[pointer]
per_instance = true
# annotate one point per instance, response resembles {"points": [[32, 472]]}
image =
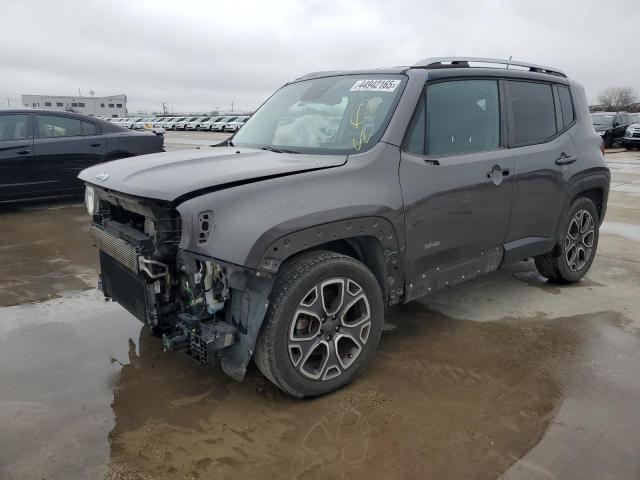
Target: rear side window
{"points": [[462, 116], [13, 127], [51, 126], [89, 128], [566, 105], [532, 111]]}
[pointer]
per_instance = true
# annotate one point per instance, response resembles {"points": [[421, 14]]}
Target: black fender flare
{"points": [[590, 180], [269, 259]]}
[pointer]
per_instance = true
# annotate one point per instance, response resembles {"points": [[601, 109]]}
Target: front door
{"points": [[64, 146], [457, 184], [18, 173]]}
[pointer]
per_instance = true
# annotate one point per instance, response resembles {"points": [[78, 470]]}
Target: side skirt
{"points": [[455, 272]]}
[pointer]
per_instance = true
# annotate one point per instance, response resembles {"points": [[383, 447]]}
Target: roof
{"points": [[450, 63]]}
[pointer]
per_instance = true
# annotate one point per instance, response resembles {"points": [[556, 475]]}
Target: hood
{"points": [[167, 176]]}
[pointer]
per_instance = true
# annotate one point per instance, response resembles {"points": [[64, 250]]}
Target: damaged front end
{"points": [[203, 306]]}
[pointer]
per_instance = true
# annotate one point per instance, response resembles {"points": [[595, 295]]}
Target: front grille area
{"points": [[122, 251], [123, 286]]}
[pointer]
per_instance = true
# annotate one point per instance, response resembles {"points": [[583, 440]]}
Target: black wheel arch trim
{"points": [[591, 179], [377, 230]]}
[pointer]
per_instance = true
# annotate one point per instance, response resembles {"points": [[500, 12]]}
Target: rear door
{"points": [[18, 173], [545, 156], [457, 183], [65, 145]]}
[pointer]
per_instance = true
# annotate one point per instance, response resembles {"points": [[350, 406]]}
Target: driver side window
{"points": [[456, 117]]}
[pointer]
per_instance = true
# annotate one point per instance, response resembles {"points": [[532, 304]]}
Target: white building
{"points": [[113, 106]]}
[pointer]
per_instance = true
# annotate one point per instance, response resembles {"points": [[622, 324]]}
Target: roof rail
{"points": [[317, 74], [464, 62]]}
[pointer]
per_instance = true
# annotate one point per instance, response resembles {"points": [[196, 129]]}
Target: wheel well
{"points": [[595, 195], [365, 249]]}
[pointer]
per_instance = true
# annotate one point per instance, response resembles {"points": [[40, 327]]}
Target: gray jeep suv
{"points": [[347, 192]]}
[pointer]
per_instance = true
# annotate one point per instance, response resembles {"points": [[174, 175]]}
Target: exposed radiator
{"points": [[115, 247]]}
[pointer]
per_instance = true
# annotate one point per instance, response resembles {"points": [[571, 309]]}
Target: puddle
{"points": [[58, 237], [88, 393]]}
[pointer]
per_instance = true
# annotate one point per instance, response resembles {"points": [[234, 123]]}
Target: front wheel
{"points": [[574, 254], [323, 324]]}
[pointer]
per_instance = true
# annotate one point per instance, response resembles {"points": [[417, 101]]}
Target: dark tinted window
{"points": [[52, 126], [111, 105], [414, 142], [533, 110], [59, 104], [566, 105], [80, 104], [119, 105], [13, 127], [89, 128], [462, 116], [74, 104], [47, 104]]}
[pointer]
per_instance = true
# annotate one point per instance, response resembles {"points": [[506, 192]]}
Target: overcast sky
{"points": [[197, 55]]}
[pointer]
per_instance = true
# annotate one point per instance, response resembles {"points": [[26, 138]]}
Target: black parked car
{"points": [[344, 193], [611, 126], [41, 152]]}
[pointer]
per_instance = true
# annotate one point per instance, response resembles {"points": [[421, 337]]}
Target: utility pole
{"points": [[164, 109], [217, 111], [93, 100], [231, 107]]}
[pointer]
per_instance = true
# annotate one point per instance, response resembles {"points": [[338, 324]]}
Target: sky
{"points": [[199, 55]]}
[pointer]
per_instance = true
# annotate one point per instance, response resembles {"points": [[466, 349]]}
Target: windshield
{"points": [[602, 119], [341, 114]]}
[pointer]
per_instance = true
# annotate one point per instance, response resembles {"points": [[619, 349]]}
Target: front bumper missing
{"points": [[147, 289]]}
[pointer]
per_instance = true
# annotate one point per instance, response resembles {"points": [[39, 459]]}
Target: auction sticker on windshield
{"points": [[375, 85]]}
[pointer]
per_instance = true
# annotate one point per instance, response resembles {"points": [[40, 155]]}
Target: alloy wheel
{"points": [[329, 329], [578, 243]]}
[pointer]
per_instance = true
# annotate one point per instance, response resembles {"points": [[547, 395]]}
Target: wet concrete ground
{"points": [[506, 376]]}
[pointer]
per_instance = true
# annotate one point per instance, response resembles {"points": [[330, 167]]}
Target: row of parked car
{"points": [[212, 124], [618, 128]]}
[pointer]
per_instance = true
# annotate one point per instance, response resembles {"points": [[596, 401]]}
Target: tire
{"points": [[571, 259], [307, 349]]}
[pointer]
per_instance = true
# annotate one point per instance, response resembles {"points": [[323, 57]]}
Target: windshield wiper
{"points": [[278, 150]]}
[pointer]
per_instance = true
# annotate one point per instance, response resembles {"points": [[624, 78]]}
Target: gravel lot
{"points": [[504, 376]]}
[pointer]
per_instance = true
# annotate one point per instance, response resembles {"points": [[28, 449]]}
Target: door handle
{"points": [[23, 152], [565, 159], [95, 144], [494, 171]]}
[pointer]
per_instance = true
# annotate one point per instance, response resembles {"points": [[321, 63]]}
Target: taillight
{"points": [[602, 147]]}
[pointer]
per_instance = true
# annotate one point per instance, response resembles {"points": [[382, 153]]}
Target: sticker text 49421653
{"points": [[376, 85]]}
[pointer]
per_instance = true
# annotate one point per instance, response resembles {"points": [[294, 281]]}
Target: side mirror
{"points": [[616, 124]]}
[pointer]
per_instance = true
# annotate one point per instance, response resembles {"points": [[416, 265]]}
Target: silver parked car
{"points": [[208, 124], [173, 123], [219, 125], [235, 125], [197, 123]]}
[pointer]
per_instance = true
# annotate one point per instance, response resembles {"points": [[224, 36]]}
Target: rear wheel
{"points": [[574, 254], [323, 325]]}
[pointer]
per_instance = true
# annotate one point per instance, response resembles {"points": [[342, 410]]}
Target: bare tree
{"points": [[617, 98]]}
